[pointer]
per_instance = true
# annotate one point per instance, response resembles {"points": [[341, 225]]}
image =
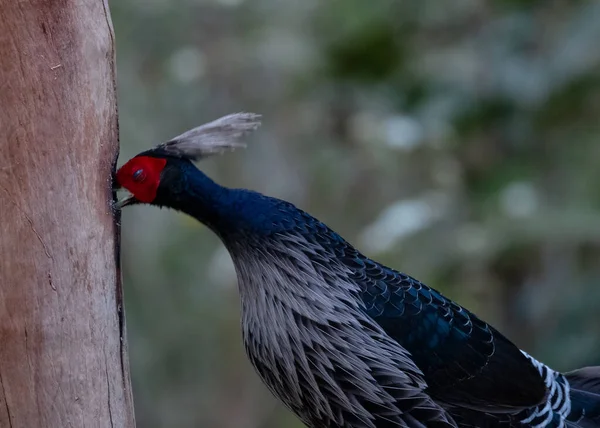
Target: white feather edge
{"points": [[213, 138]]}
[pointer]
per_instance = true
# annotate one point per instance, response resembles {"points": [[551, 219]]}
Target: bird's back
{"points": [[465, 360], [346, 341]]}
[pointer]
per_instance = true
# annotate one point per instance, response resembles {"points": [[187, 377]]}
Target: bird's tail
{"points": [[573, 399], [584, 393]]}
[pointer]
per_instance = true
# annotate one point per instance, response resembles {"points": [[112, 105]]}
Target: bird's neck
{"points": [[229, 212], [199, 196]]}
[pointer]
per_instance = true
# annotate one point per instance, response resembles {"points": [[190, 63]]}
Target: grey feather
{"points": [[212, 138], [315, 348]]}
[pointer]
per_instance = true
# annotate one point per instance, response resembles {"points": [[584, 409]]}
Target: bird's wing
{"points": [[466, 362], [347, 370]]}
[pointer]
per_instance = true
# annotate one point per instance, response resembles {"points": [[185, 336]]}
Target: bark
{"points": [[63, 359]]}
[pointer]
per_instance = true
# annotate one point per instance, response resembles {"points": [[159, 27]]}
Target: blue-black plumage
{"points": [[340, 339]]}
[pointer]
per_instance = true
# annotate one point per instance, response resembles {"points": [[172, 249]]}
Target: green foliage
{"points": [[370, 54]]}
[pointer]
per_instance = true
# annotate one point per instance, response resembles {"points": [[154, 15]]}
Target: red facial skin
{"points": [[141, 176]]}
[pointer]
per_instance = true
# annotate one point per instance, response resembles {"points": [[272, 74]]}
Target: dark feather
{"points": [[466, 362], [585, 396], [585, 379]]}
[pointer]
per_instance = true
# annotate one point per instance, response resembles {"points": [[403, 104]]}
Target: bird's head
{"points": [[153, 172]]}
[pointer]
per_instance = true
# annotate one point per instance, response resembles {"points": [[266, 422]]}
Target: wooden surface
{"points": [[63, 359]]}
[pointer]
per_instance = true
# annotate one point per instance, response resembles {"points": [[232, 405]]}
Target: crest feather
{"points": [[212, 138]]}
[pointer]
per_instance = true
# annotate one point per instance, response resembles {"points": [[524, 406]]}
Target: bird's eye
{"points": [[139, 175]]}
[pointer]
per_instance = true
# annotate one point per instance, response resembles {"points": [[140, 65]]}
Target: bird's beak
{"points": [[128, 199]]}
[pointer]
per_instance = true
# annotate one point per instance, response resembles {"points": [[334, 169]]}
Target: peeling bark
{"points": [[63, 349]]}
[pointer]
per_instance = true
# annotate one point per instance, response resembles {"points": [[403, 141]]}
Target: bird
{"points": [[340, 339]]}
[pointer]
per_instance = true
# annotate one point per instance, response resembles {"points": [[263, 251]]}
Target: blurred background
{"points": [[455, 141]]}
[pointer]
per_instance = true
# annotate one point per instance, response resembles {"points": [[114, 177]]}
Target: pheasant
{"points": [[344, 341]]}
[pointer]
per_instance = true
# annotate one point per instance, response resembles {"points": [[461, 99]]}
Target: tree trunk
{"points": [[63, 358]]}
